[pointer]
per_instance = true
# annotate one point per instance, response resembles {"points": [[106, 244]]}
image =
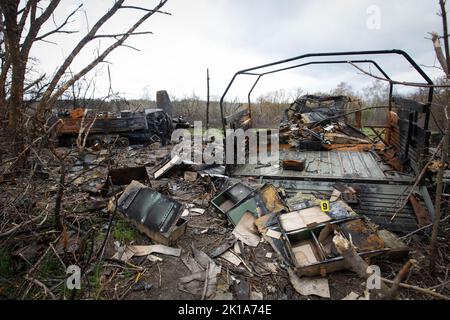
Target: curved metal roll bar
{"points": [[250, 71]]}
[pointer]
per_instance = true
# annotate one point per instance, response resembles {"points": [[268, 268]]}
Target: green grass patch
{"points": [[95, 281], [51, 267], [6, 264], [368, 132]]}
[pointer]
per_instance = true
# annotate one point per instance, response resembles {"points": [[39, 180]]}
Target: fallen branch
{"points": [[205, 287], [18, 227], [399, 278], [43, 286], [439, 285], [357, 264], [35, 268], [423, 228], [419, 289], [403, 83]]}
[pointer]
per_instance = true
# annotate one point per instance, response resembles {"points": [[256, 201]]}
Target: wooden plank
{"points": [[420, 211]]}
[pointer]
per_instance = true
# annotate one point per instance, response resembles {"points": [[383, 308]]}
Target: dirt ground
{"points": [[37, 251]]}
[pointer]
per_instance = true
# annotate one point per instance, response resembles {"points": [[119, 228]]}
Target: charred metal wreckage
{"points": [[367, 182], [146, 127], [332, 180], [335, 151]]}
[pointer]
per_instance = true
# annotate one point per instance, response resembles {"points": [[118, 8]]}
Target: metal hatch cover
{"points": [[150, 208]]}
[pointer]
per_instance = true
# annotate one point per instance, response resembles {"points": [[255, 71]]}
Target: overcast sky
{"points": [[228, 35]]}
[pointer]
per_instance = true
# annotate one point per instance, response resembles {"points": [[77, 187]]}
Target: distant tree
{"points": [[376, 94], [343, 89], [444, 59]]}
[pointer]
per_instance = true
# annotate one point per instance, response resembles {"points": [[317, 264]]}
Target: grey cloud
{"points": [[227, 35]]}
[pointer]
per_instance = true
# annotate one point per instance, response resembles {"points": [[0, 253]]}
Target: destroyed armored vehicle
{"points": [[155, 125]]}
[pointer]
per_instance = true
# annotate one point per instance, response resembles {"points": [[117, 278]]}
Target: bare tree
{"points": [[23, 27], [443, 57]]}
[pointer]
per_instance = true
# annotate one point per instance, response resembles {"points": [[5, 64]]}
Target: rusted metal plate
{"points": [[420, 211], [295, 165], [328, 165], [72, 126]]}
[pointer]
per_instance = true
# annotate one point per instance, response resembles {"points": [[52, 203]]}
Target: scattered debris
{"points": [[240, 199], [310, 286], [256, 295], [222, 248], [165, 166], [303, 219], [124, 176], [129, 252], [144, 286], [246, 230], [190, 176], [273, 234], [153, 213], [354, 296], [231, 257], [295, 165], [201, 283]]}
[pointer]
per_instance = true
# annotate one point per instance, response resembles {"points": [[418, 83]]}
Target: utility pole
{"points": [[207, 99]]}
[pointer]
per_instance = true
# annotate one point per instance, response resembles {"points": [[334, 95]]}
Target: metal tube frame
{"points": [[249, 71]]}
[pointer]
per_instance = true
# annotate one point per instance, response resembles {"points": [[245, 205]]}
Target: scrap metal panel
{"points": [[328, 165]]}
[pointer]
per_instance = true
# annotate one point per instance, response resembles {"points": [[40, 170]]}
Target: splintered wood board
{"points": [[304, 253], [304, 218]]}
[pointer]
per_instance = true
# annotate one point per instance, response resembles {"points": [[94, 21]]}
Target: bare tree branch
{"points": [[35, 27], [25, 11], [59, 29], [445, 35], [403, 83], [99, 59], [145, 9], [438, 50], [121, 34], [63, 68]]}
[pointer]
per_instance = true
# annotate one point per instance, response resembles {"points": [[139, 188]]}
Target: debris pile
{"points": [[158, 227], [320, 123], [271, 234]]}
